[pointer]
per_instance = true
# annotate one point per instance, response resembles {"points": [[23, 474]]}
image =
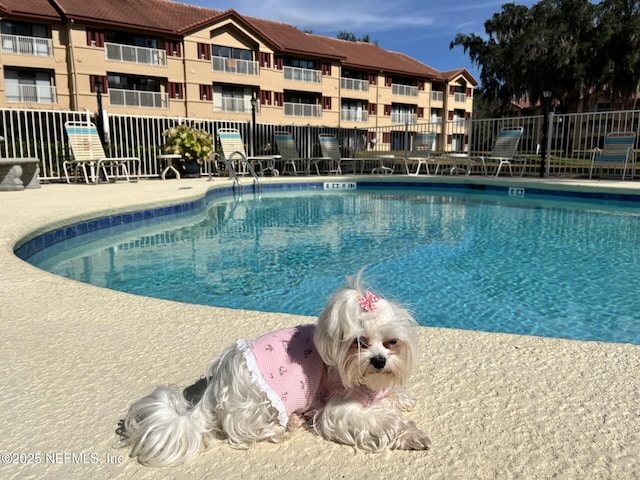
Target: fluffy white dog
{"points": [[344, 374]]}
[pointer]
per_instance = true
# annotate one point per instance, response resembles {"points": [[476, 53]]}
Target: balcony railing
{"points": [[402, 117], [406, 90], [38, 46], [302, 110], [136, 98], [437, 96], [459, 97], [354, 84], [128, 53], [302, 74], [233, 105], [30, 93], [235, 66], [347, 115]]}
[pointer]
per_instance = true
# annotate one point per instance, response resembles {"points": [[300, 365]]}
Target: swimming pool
{"points": [[468, 260]]}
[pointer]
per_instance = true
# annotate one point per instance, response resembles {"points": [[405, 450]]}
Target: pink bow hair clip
{"points": [[368, 301]]}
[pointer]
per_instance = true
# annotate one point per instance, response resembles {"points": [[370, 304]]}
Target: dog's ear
{"points": [[337, 326]]}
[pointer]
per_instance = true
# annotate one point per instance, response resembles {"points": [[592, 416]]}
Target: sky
{"points": [[422, 29]]}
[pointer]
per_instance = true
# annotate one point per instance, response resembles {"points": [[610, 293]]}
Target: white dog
{"points": [[345, 374]]}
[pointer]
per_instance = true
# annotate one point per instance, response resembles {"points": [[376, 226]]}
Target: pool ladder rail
{"points": [[233, 174]]}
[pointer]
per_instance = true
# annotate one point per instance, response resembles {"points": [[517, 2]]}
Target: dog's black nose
{"points": [[378, 362]]}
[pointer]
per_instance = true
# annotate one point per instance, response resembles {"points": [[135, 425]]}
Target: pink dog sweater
{"points": [[287, 367]]}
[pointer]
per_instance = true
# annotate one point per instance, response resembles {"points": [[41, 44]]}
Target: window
{"points": [[173, 48], [326, 68], [95, 38], [125, 38], [130, 82], [388, 81], [353, 110], [373, 79], [206, 92], [204, 51], [302, 97], [373, 109], [232, 98], [300, 63], [93, 79], [387, 110], [231, 52], [25, 29], [326, 103], [279, 99], [176, 90], [265, 97], [37, 43], [265, 60], [278, 62], [29, 86], [420, 112]]}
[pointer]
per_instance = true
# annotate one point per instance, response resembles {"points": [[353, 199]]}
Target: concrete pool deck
{"points": [[73, 357]]}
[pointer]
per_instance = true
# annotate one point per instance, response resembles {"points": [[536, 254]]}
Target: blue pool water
{"points": [[463, 260]]}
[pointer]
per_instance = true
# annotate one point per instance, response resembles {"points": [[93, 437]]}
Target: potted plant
{"points": [[193, 144]]}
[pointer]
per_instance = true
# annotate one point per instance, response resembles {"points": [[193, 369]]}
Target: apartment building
{"points": [[162, 58]]}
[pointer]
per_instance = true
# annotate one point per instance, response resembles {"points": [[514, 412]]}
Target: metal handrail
{"points": [[252, 171], [233, 174]]}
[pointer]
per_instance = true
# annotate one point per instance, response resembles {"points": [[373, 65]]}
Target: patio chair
{"points": [[617, 152], [290, 157], [503, 152], [331, 153], [87, 151], [421, 154], [233, 150]]}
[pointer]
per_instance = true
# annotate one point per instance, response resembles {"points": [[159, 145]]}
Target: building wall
{"points": [[78, 61]]}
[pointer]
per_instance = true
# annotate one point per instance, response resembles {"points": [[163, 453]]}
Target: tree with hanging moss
{"points": [[569, 47]]}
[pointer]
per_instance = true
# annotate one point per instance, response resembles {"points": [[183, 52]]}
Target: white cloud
{"points": [[359, 16]]}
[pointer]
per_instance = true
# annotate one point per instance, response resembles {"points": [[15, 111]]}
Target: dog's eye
{"points": [[390, 343], [362, 342]]}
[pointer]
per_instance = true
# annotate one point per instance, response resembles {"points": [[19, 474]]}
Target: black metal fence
{"points": [[571, 137]]}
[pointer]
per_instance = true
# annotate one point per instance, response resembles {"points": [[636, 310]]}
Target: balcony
{"points": [[302, 110], [302, 74], [347, 115], [354, 84], [21, 45], [459, 97], [406, 90], [136, 98], [130, 54], [234, 66], [404, 117], [30, 93], [232, 105], [437, 96]]}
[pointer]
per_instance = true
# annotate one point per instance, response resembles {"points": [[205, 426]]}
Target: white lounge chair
{"points": [[87, 151], [233, 150], [331, 154], [503, 152], [290, 157], [617, 152], [421, 154]]}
